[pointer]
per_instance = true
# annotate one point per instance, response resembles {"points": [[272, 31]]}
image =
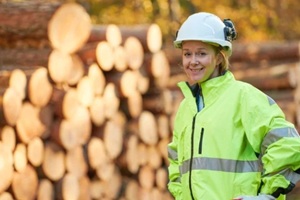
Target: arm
{"points": [[174, 184], [275, 140]]}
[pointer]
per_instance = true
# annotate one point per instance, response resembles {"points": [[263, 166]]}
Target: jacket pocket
{"points": [[201, 141]]}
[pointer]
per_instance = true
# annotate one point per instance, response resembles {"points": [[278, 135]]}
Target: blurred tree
{"points": [[255, 20]]}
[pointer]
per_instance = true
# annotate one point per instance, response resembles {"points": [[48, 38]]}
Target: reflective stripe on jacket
{"points": [[217, 153]]}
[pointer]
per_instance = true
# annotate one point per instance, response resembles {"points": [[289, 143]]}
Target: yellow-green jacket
{"points": [[238, 144]]}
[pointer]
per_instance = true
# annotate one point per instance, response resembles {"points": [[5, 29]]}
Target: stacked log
{"points": [[74, 124], [87, 110]]}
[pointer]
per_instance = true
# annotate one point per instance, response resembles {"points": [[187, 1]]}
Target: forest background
{"points": [[255, 20]]}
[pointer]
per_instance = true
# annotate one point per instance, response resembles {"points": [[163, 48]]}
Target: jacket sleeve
{"points": [[275, 140], [174, 184]]}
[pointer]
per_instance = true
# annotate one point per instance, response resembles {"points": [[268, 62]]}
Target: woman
{"points": [[230, 140]]}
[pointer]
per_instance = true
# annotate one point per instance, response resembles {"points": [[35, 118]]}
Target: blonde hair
{"points": [[225, 62], [224, 65]]}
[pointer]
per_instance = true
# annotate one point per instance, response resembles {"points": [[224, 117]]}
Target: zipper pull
{"points": [[201, 140]]}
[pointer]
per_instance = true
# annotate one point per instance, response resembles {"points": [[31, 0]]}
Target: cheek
{"points": [[184, 63]]}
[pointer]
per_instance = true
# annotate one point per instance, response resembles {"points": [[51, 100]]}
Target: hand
{"points": [[259, 197]]}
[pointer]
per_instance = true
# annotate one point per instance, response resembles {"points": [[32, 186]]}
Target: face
{"points": [[199, 61]]}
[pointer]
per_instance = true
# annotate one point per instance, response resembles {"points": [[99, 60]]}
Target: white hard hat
{"points": [[209, 28]]}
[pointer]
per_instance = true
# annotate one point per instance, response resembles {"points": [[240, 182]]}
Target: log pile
{"points": [[87, 110], [77, 114]]}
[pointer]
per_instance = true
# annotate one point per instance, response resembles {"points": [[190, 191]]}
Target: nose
{"points": [[194, 61]]}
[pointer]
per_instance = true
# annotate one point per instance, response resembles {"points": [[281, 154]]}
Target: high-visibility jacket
{"points": [[238, 144]]}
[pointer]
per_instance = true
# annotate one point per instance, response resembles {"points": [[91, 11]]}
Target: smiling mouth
{"points": [[197, 69]]}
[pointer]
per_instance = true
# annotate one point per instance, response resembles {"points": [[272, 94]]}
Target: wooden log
{"points": [[128, 83], [113, 139], [26, 190], [26, 19], [146, 177], [77, 70], [142, 150], [161, 179], [20, 157], [159, 102], [133, 105], [134, 52], [113, 35], [154, 158], [84, 188], [148, 128], [35, 151], [125, 82], [245, 65], [60, 66], [45, 190], [18, 81], [65, 134], [6, 196], [85, 91], [145, 194], [163, 126], [132, 190], [70, 103], [110, 33], [87, 53], [7, 170], [54, 161], [81, 121], [70, 187], [163, 149], [97, 77], [69, 28], [143, 80], [29, 124], [158, 68], [39, 87], [97, 189], [157, 64], [112, 187], [97, 112], [76, 163], [24, 59], [120, 58], [46, 117], [11, 107], [150, 35], [8, 137], [96, 153], [129, 160], [157, 194], [105, 56], [106, 171], [266, 51], [111, 100], [277, 77]]}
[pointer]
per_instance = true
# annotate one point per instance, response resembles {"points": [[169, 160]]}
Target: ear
{"points": [[219, 58]]}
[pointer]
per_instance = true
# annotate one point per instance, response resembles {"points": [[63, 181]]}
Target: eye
{"points": [[187, 54], [201, 53]]}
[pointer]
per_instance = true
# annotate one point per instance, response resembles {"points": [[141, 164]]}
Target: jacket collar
{"points": [[211, 88]]}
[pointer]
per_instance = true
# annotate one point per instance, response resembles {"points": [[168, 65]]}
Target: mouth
{"points": [[196, 69]]}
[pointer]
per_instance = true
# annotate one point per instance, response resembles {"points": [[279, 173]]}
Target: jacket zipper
{"points": [[191, 162], [201, 140]]}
